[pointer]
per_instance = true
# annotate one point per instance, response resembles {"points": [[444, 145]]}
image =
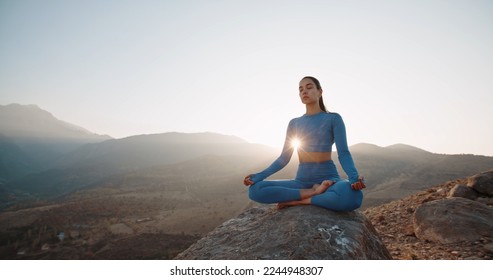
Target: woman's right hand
{"points": [[248, 180]]}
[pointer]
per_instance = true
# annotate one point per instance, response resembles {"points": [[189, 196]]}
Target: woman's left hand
{"points": [[360, 184]]}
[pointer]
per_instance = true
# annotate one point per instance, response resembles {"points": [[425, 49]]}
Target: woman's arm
{"points": [[343, 153], [279, 163]]}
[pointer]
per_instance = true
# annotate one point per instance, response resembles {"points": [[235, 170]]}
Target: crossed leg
{"points": [[317, 189]]}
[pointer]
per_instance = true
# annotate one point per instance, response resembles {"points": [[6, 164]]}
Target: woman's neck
{"points": [[312, 109]]}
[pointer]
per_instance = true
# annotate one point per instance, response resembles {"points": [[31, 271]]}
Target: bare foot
{"points": [[282, 205], [322, 187]]}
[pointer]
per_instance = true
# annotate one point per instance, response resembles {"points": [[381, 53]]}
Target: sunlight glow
{"points": [[296, 143]]}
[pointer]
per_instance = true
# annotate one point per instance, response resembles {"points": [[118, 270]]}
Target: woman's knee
{"points": [[255, 192], [340, 197], [352, 200]]}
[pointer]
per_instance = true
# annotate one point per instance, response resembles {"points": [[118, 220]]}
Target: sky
{"points": [[415, 72]]}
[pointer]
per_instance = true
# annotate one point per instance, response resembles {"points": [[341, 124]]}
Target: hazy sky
{"points": [[413, 72]]}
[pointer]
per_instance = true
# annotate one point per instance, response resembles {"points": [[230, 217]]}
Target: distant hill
{"points": [[38, 138], [29, 121], [14, 162], [400, 170], [92, 163]]}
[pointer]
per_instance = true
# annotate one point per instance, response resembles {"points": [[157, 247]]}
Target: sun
{"points": [[295, 143]]}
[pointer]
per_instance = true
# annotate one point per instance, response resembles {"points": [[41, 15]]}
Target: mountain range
{"points": [[109, 194], [43, 157]]}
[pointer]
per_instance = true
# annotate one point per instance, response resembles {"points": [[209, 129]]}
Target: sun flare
{"points": [[296, 143]]}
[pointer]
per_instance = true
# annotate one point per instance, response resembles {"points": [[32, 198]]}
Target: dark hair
{"points": [[317, 84]]}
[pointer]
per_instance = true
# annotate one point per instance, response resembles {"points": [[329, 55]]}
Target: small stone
{"points": [[441, 191], [45, 247], [488, 248], [428, 199]]}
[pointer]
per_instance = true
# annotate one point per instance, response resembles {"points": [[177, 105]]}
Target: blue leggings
{"points": [[339, 197]]}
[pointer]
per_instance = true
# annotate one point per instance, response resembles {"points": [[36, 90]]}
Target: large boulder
{"points": [[302, 232], [482, 183], [463, 191], [453, 220]]}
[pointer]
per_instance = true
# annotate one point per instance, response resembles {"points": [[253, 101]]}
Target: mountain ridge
{"points": [[40, 136], [30, 121]]}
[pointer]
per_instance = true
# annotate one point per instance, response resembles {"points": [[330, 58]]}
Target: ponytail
{"points": [[322, 105]]}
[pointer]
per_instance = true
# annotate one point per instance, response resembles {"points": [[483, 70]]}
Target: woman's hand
{"points": [[360, 184], [248, 180]]}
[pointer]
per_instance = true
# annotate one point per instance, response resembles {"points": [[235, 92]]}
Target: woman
{"points": [[317, 181]]}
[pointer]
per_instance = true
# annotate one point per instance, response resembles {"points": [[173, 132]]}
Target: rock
{"points": [[463, 191], [74, 234], [45, 247], [120, 228], [441, 191], [485, 200], [482, 183], [453, 220], [488, 248], [302, 232]]}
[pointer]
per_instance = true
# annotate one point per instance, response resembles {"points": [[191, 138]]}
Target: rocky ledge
{"points": [[450, 221], [303, 232]]}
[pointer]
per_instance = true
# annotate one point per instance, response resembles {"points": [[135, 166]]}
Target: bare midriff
{"points": [[314, 156]]}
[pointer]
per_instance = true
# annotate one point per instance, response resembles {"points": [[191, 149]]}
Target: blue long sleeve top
{"points": [[317, 133]]}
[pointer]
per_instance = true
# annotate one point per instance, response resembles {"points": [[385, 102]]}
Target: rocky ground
{"points": [[394, 223]]}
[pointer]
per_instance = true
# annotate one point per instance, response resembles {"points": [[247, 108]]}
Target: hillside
{"points": [[136, 210], [394, 223], [160, 221], [400, 170], [32, 138], [93, 164], [14, 162]]}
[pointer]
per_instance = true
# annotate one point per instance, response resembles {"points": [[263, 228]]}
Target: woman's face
{"points": [[309, 92]]}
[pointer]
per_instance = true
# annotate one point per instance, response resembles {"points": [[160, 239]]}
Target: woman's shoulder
{"points": [[334, 115], [331, 116]]}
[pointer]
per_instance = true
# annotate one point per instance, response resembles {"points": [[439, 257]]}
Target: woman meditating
{"points": [[317, 181]]}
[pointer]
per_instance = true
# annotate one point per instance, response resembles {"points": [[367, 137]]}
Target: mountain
{"points": [[31, 122], [94, 163], [14, 162], [37, 137], [400, 170]]}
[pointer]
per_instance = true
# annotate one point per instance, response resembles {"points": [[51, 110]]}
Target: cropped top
{"points": [[317, 133]]}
